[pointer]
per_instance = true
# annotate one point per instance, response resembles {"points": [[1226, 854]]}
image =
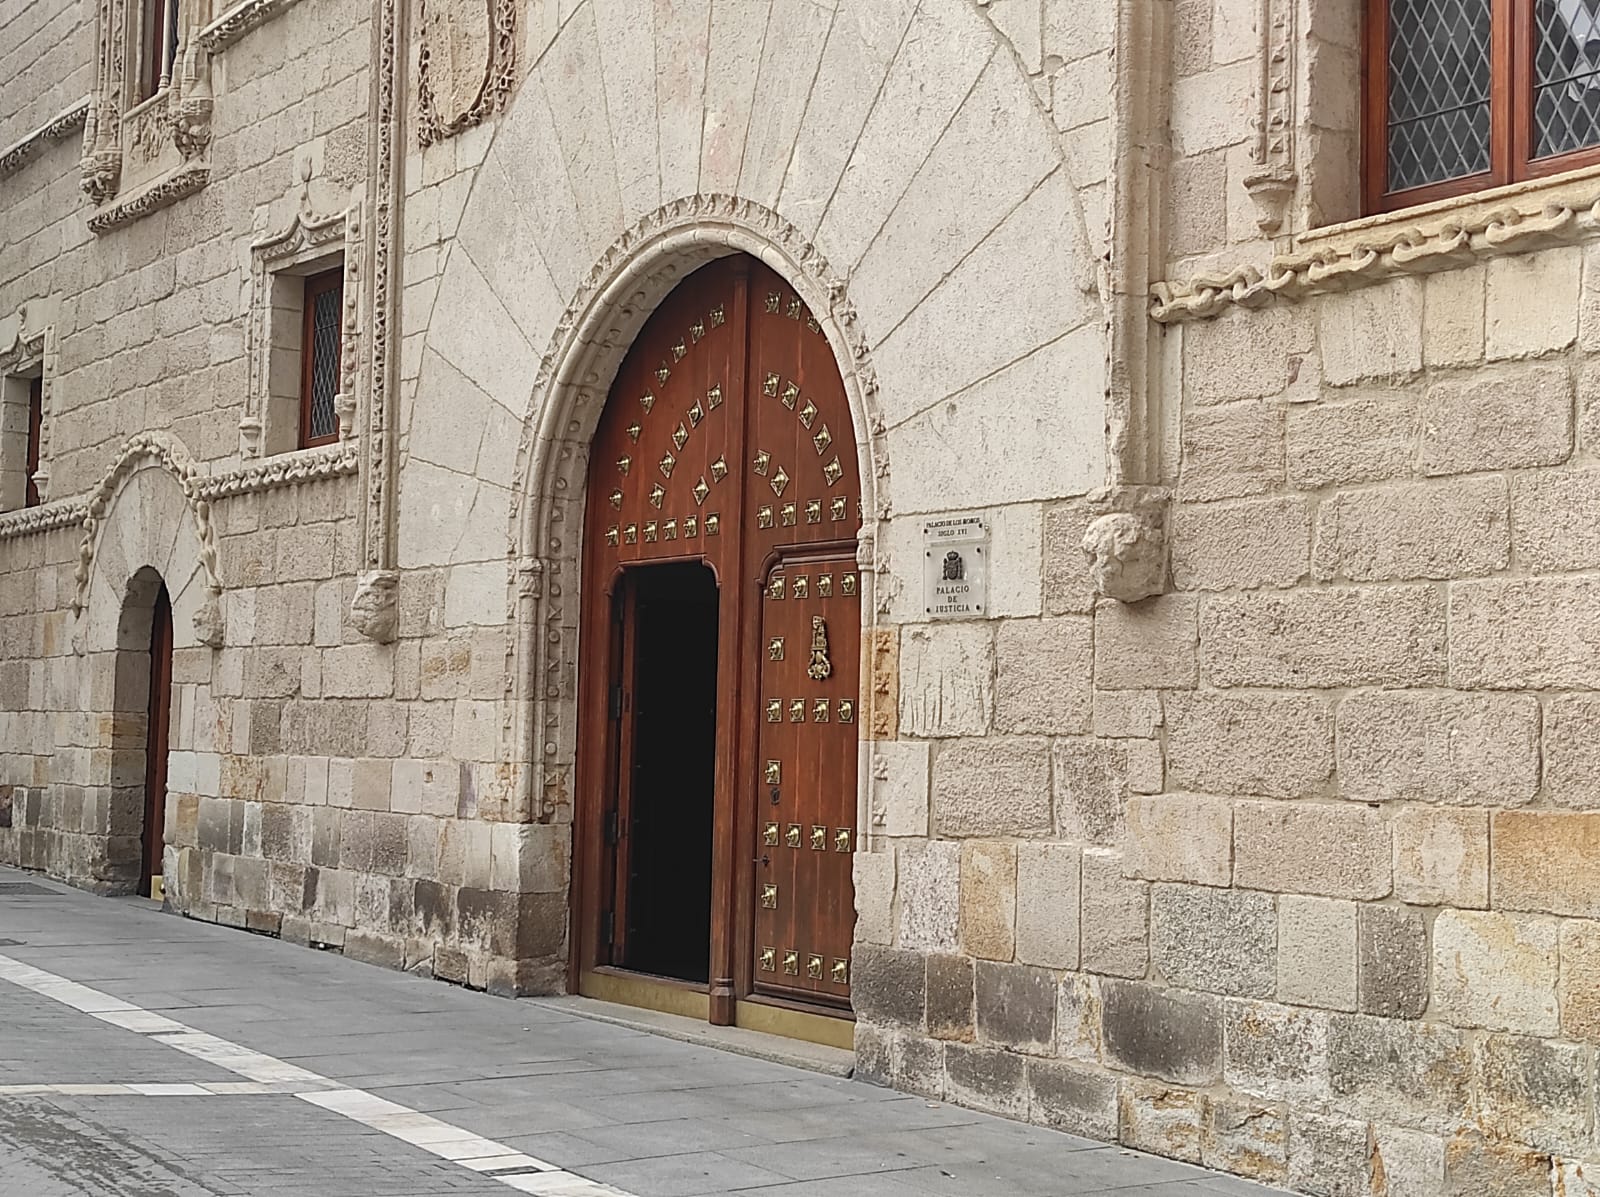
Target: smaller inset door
{"points": [[158, 727]]}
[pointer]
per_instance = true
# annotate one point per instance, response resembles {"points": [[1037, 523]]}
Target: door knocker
{"points": [[820, 668]]}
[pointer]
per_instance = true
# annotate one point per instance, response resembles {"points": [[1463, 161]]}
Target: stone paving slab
{"points": [[392, 1079]]}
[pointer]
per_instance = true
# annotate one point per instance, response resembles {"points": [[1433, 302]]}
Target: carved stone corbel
{"points": [[1127, 543], [375, 609]]}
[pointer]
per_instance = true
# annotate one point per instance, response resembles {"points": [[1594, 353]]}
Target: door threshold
{"points": [[685, 999], [742, 1040]]}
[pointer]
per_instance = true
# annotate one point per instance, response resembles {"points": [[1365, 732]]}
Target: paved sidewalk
{"points": [[149, 1056]]}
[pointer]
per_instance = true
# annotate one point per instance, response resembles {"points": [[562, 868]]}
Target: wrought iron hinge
{"points": [[613, 827], [608, 926], [615, 702]]}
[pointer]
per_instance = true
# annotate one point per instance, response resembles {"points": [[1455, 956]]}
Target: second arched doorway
{"points": [[720, 666]]}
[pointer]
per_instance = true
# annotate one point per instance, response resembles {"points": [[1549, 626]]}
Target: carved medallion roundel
{"points": [[457, 53]]}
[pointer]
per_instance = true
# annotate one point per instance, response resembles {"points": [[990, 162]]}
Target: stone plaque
{"points": [[457, 49], [955, 567]]}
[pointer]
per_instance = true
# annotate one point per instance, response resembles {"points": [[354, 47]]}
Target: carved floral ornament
{"points": [[466, 63], [545, 520]]}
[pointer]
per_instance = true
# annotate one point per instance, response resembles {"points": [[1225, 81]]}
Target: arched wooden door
{"points": [[721, 634]]}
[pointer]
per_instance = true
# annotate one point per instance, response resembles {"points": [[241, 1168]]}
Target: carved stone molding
{"points": [[19, 152], [1371, 257], [47, 518], [1127, 542], [545, 532], [164, 191], [466, 63], [168, 453], [34, 345], [238, 21], [286, 469], [1271, 183], [375, 608], [307, 236]]}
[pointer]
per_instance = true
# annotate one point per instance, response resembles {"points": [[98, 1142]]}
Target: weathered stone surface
{"points": [[1067, 588], [950, 1012], [992, 787], [1145, 645], [1439, 746], [1477, 1167], [1365, 440], [1441, 857], [888, 985], [1494, 420], [1043, 676], [1245, 1137], [1127, 713], [1317, 952], [1275, 1051], [1579, 988], [1373, 333], [1090, 780], [1555, 519], [986, 1079], [1393, 950], [1016, 1006], [1534, 1092], [1242, 545], [1572, 750], [1414, 1073], [1073, 1098], [1544, 861], [1451, 529], [1232, 449], [930, 888], [989, 899], [1495, 971], [1531, 303], [1115, 918], [1048, 882], [1406, 1161], [1242, 355], [1525, 632], [1219, 940], [1341, 636], [1162, 1032], [946, 680], [1161, 1120], [1078, 1018], [1328, 1156], [1285, 847], [1276, 745], [1180, 837]]}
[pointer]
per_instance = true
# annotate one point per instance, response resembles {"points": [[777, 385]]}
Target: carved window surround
{"points": [[270, 424], [1536, 214], [15, 155], [33, 348]]}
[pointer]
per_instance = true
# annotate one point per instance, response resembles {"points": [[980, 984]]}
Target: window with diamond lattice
{"points": [[1467, 94], [319, 358]]}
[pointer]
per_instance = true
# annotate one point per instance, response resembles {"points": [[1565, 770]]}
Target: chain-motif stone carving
{"points": [[466, 64]]}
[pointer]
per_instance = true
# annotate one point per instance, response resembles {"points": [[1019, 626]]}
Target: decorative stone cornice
{"points": [[1387, 250], [186, 180], [238, 21], [57, 127], [289, 469], [28, 520]]}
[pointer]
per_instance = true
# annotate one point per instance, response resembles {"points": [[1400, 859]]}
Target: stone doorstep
{"points": [[796, 1053]]}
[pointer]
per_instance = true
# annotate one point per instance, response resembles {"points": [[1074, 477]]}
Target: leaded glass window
{"points": [[1438, 91], [1566, 76], [319, 349]]}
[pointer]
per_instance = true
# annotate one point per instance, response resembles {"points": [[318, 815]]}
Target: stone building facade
{"points": [[1251, 817]]}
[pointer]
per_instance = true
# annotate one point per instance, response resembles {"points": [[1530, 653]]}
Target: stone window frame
{"points": [[279, 265], [141, 153], [31, 355]]}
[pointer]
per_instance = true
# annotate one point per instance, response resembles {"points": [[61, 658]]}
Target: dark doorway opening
{"points": [[157, 727], [666, 811]]}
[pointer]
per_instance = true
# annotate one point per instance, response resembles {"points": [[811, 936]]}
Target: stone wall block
{"points": [[1317, 952], [1043, 676], [1441, 857], [899, 773], [1068, 589], [1180, 837], [1371, 333], [1217, 940], [1544, 861], [1247, 1138], [992, 787], [1329, 1156], [1572, 750], [888, 985], [930, 888], [1090, 782], [1454, 529], [1128, 714], [951, 988], [1016, 1007], [1275, 745], [1334, 851], [1497, 420], [1525, 633], [1073, 1098], [1438, 746], [946, 680], [1535, 1092], [1162, 1032], [1078, 1021], [1146, 645], [1161, 1120], [1243, 354], [1340, 636], [1275, 1052], [1495, 971], [1242, 545], [1232, 450], [1415, 1074], [1392, 944], [1048, 881], [1531, 303], [989, 899], [1367, 439], [986, 1079], [1115, 919], [1479, 1167], [1579, 986], [1555, 518]]}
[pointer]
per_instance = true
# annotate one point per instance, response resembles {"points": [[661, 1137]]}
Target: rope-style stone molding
{"points": [[168, 453], [20, 151], [184, 181], [1398, 253], [238, 21]]}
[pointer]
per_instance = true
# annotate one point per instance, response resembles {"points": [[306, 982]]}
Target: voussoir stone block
{"points": [[1439, 746], [1180, 837], [1276, 745], [992, 786], [1336, 851], [1219, 940], [1340, 636], [1496, 971]]}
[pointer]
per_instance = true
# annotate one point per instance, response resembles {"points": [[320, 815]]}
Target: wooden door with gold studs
{"points": [[727, 441]]}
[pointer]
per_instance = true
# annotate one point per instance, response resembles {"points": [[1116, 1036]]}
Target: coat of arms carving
{"points": [[465, 63]]}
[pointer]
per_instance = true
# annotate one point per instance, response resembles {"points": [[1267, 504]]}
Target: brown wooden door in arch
{"points": [[726, 443]]}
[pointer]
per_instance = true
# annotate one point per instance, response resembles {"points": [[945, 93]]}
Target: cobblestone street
{"points": [[151, 1056]]}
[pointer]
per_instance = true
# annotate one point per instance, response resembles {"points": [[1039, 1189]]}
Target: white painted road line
{"points": [[489, 1159]]}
